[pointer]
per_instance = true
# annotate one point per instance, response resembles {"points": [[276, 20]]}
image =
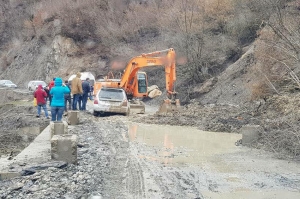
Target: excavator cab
{"points": [[142, 84]]}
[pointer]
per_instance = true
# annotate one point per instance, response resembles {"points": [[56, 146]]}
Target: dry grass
{"points": [[259, 90], [282, 141]]}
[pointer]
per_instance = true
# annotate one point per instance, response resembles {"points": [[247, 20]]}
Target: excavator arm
{"points": [[164, 58]]}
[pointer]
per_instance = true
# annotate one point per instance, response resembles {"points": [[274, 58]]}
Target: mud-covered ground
{"points": [[279, 116], [114, 163]]}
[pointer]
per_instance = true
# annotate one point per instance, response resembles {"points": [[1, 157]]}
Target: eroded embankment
{"points": [[18, 126]]}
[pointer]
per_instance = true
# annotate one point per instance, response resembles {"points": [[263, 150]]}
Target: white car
{"points": [[7, 83], [111, 100], [32, 85]]}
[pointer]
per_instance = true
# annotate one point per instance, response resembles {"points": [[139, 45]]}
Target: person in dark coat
{"points": [[67, 98], [40, 96], [91, 93], [46, 89], [86, 87]]}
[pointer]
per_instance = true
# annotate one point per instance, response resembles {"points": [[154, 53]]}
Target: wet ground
{"points": [[119, 158], [213, 165]]}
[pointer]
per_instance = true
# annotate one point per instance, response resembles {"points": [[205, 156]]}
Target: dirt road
{"points": [[118, 158]]}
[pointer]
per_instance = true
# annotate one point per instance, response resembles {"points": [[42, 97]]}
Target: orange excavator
{"points": [[135, 83]]}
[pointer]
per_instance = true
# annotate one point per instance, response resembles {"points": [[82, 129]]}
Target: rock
{"points": [[27, 172], [17, 186], [55, 164]]}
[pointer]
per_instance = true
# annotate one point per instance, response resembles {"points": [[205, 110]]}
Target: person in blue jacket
{"points": [[58, 100]]}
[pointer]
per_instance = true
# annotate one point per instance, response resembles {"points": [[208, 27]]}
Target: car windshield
{"points": [[115, 94]]}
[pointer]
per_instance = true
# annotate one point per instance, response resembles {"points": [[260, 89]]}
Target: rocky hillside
{"points": [[41, 39]]}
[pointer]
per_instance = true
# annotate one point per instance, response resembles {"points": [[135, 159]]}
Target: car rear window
{"points": [[111, 94], [40, 83]]}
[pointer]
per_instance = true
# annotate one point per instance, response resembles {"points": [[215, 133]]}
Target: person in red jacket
{"points": [[40, 96]]}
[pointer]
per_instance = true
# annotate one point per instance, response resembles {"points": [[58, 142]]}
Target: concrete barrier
{"points": [[64, 148], [58, 128], [250, 134], [73, 117]]}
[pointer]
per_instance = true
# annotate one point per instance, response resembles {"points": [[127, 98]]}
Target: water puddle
{"points": [[183, 145], [224, 170]]}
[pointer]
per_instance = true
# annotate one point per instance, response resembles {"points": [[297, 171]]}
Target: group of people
{"points": [[80, 91], [59, 95]]}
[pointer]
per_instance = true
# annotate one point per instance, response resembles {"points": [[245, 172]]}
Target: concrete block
{"points": [[64, 148], [58, 128], [73, 117], [250, 134]]}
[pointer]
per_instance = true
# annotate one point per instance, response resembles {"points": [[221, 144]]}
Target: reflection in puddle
{"points": [[181, 145]]}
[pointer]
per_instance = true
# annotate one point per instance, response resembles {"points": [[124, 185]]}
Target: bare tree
{"points": [[279, 46]]}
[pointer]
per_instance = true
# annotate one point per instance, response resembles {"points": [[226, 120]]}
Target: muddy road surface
{"points": [[119, 158]]}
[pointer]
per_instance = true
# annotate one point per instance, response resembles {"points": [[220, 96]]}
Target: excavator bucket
{"points": [[169, 106], [137, 107]]}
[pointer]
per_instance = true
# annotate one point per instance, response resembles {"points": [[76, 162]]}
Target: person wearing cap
{"points": [[40, 96], [58, 99], [76, 88]]}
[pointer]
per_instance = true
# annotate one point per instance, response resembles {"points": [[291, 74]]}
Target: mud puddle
{"points": [[220, 168], [182, 145]]}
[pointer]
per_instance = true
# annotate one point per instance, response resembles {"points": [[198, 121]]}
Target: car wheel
{"points": [[95, 113], [102, 114], [127, 113]]}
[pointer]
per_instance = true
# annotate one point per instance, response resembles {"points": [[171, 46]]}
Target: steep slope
{"points": [[232, 86]]}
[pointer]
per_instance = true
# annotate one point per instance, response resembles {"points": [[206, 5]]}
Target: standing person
{"points": [[40, 96], [48, 93], [51, 84], [76, 88], [80, 102], [58, 100], [67, 97], [91, 92], [86, 87]]}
